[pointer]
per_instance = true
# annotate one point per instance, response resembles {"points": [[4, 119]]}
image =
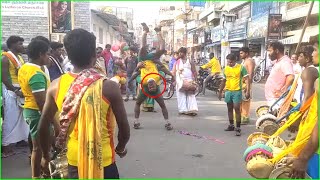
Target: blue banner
{"points": [[258, 8], [197, 3]]}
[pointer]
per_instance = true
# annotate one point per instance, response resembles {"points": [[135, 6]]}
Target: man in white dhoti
{"points": [[185, 71], [14, 127]]}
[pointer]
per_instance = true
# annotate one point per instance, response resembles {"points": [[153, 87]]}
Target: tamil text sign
{"points": [[24, 8], [238, 30]]}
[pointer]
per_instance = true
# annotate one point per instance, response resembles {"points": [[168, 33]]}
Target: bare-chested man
{"points": [[249, 64]]}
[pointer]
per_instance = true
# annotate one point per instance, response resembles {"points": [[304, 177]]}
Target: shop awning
{"points": [[310, 31]]}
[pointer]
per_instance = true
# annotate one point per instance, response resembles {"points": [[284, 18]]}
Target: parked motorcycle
{"points": [[213, 84]]}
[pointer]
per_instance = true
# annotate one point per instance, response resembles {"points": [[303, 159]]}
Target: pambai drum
{"points": [[59, 166], [262, 110], [269, 127], [267, 123], [282, 170], [257, 148], [277, 145], [259, 166], [257, 137]]}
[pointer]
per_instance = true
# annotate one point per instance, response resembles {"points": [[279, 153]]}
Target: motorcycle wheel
{"points": [[257, 78], [199, 89]]}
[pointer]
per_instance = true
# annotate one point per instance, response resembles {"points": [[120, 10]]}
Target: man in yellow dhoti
{"points": [[249, 64]]}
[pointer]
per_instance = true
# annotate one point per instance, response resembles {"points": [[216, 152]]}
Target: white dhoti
{"points": [[187, 102], [14, 127]]}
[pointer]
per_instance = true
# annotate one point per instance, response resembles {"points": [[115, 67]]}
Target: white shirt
{"points": [[297, 69]]}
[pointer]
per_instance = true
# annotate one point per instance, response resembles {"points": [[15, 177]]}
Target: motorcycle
{"points": [[258, 74], [213, 84]]}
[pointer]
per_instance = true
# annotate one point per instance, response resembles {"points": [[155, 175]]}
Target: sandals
{"points": [[136, 125], [168, 126], [126, 99]]}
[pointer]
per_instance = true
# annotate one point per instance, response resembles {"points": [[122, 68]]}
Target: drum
{"points": [[263, 118], [262, 110], [257, 149], [59, 166], [277, 145], [269, 127], [259, 166], [257, 137]]}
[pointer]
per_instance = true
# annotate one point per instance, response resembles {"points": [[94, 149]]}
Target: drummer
{"points": [[308, 159]]}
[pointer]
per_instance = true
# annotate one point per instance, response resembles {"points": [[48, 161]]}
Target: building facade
{"points": [[20, 18]]}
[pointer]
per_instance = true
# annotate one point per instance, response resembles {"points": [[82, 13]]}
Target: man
{"points": [[55, 67], [14, 127], [107, 55], [249, 64], [215, 70], [297, 69], [90, 149], [34, 83], [150, 83], [305, 87], [164, 59], [234, 75], [100, 64], [173, 60], [131, 63], [256, 59], [308, 159], [281, 75]]}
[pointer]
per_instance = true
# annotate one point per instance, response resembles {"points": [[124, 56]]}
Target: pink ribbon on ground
{"points": [[200, 136]]}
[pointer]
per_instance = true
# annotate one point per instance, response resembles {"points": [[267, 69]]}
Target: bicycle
{"points": [[170, 89]]}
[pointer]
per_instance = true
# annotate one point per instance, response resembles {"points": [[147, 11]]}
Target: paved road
{"points": [[154, 152]]}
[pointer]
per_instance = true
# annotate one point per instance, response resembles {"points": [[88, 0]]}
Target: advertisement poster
{"points": [[61, 16], [274, 27]]}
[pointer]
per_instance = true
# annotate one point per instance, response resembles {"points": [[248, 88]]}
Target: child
{"points": [[234, 74]]}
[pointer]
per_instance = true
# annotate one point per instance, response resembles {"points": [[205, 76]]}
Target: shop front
{"points": [[257, 33]]}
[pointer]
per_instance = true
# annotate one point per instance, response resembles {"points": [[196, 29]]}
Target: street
{"points": [[154, 152]]}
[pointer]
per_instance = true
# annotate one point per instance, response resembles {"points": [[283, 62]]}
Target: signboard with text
{"points": [[216, 34], [238, 30], [24, 8]]}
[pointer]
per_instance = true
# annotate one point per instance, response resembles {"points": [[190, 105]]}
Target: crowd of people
{"points": [[75, 102]]}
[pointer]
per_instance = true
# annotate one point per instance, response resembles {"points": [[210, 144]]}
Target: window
{"points": [[243, 12], [100, 36]]}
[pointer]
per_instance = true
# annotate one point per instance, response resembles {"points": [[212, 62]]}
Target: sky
{"points": [[144, 11]]}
